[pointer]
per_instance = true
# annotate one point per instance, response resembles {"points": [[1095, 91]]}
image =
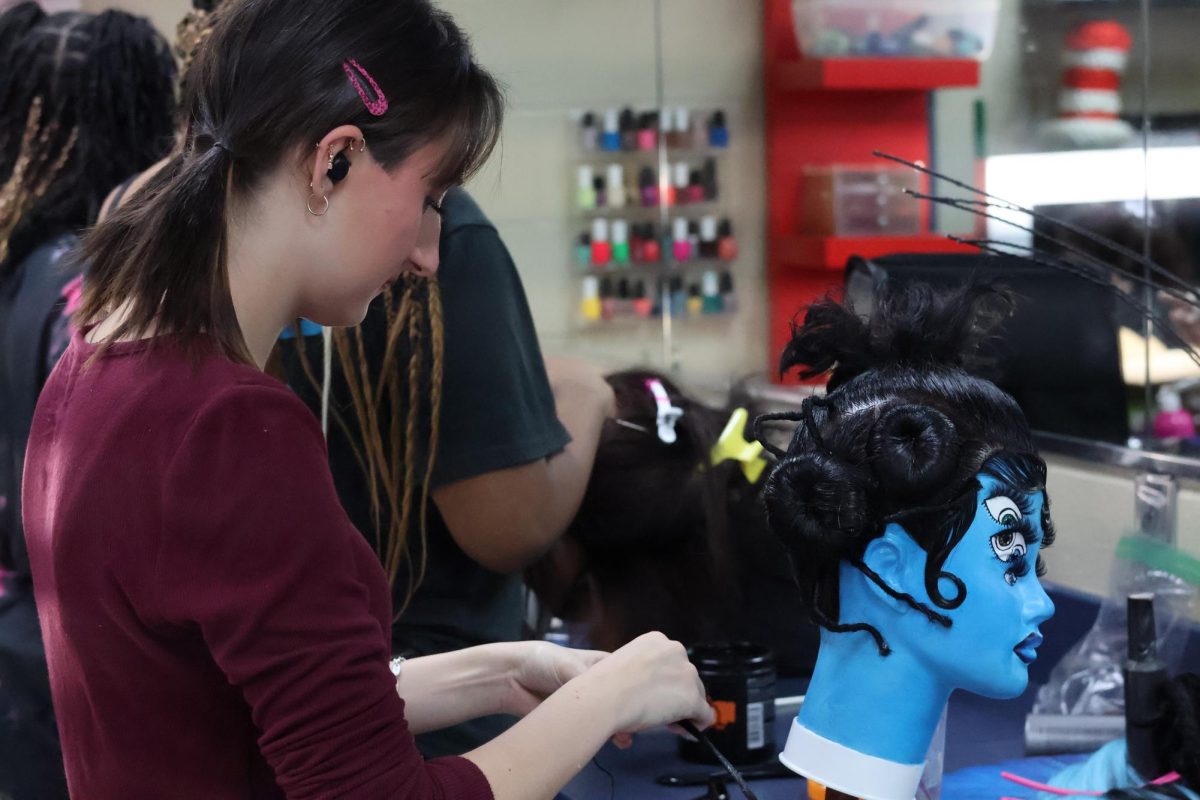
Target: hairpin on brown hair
{"points": [[377, 105]]}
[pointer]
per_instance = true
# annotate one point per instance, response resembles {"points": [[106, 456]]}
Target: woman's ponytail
{"points": [[165, 252]]}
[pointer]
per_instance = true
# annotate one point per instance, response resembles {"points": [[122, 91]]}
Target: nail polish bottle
{"points": [[598, 189], [708, 237], [583, 250], [589, 137], [587, 188], [642, 306], [694, 238], [628, 127], [699, 131], [681, 247], [601, 248], [590, 305], [678, 303], [620, 241], [683, 128], [652, 250], [666, 127], [728, 298], [718, 130], [695, 303], [680, 177], [695, 187], [611, 140], [727, 249], [637, 244], [608, 303], [648, 187], [709, 179], [624, 298], [711, 293], [647, 137], [633, 192], [616, 186]]}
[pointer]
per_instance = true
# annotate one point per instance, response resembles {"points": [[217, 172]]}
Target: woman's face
{"points": [[994, 636], [380, 224]]}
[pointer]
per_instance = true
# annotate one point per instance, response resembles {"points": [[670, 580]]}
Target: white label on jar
{"points": [[755, 732]]}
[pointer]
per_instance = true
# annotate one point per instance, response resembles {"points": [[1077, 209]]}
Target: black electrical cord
{"points": [[695, 732], [612, 781]]}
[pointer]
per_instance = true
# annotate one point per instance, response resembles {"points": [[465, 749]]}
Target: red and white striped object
{"points": [[1089, 100], [1093, 63]]}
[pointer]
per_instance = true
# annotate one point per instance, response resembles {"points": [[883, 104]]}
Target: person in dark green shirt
{"points": [[516, 438]]}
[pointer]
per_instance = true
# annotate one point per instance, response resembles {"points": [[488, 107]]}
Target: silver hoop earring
{"points": [[309, 205]]}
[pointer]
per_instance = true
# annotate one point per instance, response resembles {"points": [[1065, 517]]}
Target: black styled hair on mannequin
{"points": [[900, 436], [1077, 251]]}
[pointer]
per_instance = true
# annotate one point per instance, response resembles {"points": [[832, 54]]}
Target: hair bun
{"points": [[913, 448], [814, 501], [912, 324]]}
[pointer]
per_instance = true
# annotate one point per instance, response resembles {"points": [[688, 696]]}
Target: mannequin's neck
{"points": [[887, 707]]}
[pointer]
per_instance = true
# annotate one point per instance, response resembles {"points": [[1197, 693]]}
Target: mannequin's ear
{"points": [[890, 557]]}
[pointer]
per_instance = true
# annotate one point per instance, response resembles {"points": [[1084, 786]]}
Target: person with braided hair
{"points": [[85, 99], [913, 504], [457, 451]]}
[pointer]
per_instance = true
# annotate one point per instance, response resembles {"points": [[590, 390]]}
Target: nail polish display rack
{"points": [[654, 237]]}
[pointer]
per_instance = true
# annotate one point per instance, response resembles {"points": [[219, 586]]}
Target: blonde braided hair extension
{"points": [[390, 468], [33, 173]]}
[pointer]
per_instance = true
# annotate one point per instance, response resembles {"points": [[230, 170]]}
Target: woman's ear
{"points": [[343, 140]]}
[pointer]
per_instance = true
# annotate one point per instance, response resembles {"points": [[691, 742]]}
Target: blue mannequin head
{"points": [[993, 633], [911, 497]]}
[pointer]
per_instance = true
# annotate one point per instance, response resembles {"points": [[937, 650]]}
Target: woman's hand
{"points": [[650, 684], [538, 669]]}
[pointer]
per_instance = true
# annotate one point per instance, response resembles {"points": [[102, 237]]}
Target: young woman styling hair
{"points": [[188, 533]]}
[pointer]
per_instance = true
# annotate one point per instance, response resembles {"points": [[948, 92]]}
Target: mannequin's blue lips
{"points": [[1027, 649]]}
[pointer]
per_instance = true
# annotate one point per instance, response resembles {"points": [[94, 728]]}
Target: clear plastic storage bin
{"points": [[896, 28], [860, 201]]}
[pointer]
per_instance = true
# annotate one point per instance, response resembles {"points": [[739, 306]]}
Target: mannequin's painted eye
{"points": [[1008, 545], [1003, 510]]}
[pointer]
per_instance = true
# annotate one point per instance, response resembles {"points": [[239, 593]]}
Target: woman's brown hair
{"points": [[265, 84]]}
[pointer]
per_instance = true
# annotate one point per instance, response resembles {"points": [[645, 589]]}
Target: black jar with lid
{"points": [[740, 681]]}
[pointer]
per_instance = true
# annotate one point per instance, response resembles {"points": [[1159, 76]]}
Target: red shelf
{"points": [[832, 252], [880, 74]]}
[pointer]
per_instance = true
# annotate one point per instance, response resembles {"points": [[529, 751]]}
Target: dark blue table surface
{"points": [[980, 732]]}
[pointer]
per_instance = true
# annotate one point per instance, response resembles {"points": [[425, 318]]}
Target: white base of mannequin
{"points": [[848, 771]]}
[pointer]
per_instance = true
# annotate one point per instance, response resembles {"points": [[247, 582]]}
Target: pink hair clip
{"points": [[378, 105]]}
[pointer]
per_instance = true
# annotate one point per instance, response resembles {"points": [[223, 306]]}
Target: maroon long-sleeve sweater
{"points": [[215, 626]]}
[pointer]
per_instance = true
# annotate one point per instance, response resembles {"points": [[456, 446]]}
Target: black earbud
{"points": [[339, 167]]}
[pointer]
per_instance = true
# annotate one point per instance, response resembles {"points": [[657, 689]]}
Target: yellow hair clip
{"points": [[733, 446]]}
